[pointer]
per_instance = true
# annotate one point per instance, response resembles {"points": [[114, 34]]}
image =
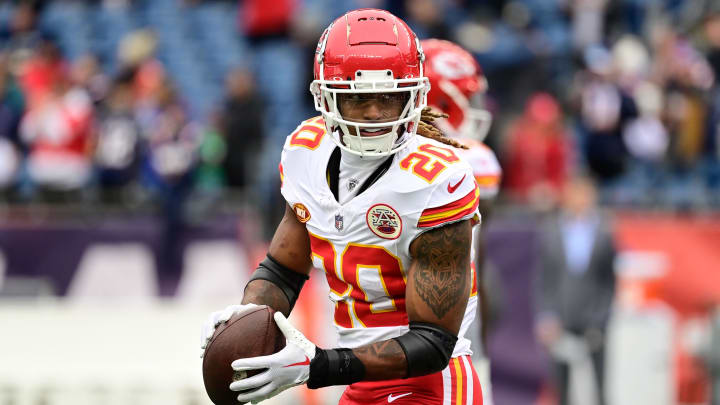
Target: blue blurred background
{"points": [[139, 144]]}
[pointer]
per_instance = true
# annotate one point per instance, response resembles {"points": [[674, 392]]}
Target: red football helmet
{"points": [[369, 51], [458, 88]]}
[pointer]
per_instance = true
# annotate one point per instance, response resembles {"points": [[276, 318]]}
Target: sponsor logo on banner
{"points": [[301, 212], [384, 221]]}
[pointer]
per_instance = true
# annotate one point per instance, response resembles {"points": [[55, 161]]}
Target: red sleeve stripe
{"points": [[282, 175], [452, 211], [469, 197]]}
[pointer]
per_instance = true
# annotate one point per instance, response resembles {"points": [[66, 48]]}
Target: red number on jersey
{"points": [[308, 134], [426, 162], [370, 285]]}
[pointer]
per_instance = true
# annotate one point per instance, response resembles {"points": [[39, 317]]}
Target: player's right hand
{"points": [[218, 317]]}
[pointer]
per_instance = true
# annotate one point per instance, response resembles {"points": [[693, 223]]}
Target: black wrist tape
{"points": [[288, 280], [335, 367]]}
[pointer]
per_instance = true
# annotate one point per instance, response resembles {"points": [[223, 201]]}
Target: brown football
{"points": [[249, 334]]}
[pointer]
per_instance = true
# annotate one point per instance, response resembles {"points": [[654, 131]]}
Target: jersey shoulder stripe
{"points": [[452, 211]]}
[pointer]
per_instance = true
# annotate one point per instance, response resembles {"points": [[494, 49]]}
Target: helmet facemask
{"points": [[347, 133]]}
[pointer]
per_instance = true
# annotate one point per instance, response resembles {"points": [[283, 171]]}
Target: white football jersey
{"points": [[485, 166], [363, 246]]}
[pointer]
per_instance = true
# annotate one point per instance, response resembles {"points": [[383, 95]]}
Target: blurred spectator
{"points": [[21, 36], [575, 287], [168, 170], [686, 75], [57, 129], [210, 177], [242, 126], [538, 152], [711, 164], [43, 73], [136, 48], [118, 146], [603, 109], [173, 142], [12, 106], [712, 37], [86, 74], [277, 62], [646, 139]]}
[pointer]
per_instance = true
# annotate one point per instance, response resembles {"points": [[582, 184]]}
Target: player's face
{"points": [[371, 108]]}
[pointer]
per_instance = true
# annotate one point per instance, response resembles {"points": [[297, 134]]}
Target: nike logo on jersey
{"points": [[451, 189], [392, 398], [302, 363]]}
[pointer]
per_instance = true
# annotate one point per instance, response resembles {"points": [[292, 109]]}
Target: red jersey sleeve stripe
{"points": [[427, 224], [450, 212], [450, 206]]}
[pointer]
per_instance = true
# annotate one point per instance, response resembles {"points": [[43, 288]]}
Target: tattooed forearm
{"points": [[441, 263], [383, 360], [263, 292]]}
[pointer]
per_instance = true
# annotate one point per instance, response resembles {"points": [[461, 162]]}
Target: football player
{"points": [[458, 88], [388, 216]]}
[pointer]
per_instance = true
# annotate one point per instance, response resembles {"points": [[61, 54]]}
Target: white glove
{"points": [[218, 317], [287, 368]]}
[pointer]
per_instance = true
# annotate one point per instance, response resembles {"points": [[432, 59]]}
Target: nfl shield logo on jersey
{"points": [[384, 221], [339, 222]]}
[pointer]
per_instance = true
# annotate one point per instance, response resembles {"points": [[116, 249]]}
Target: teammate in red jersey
{"points": [[387, 215], [458, 89]]}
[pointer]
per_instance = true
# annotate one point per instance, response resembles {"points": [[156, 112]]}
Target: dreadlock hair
{"points": [[428, 130]]}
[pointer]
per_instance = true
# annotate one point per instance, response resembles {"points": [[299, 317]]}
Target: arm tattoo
{"points": [[384, 360], [386, 349], [263, 292], [442, 262]]}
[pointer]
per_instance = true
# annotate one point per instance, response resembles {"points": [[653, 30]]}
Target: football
{"points": [[244, 335]]}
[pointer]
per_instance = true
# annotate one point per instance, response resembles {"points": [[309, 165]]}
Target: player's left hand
{"points": [[287, 368]]}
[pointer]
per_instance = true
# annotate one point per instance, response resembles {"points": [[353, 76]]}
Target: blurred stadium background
{"points": [[139, 143]]}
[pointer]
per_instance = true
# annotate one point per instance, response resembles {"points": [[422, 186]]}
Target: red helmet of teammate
{"points": [[369, 51], [458, 88]]}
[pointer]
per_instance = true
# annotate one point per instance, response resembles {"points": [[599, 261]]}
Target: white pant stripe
{"points": [[469, 380], [447, 386]]}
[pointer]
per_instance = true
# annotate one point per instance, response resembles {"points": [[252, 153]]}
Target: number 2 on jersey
{"points": [[427, 162], [370, 287]]}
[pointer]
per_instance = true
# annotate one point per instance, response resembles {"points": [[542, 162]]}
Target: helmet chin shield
{"points": [[402, 128]]}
